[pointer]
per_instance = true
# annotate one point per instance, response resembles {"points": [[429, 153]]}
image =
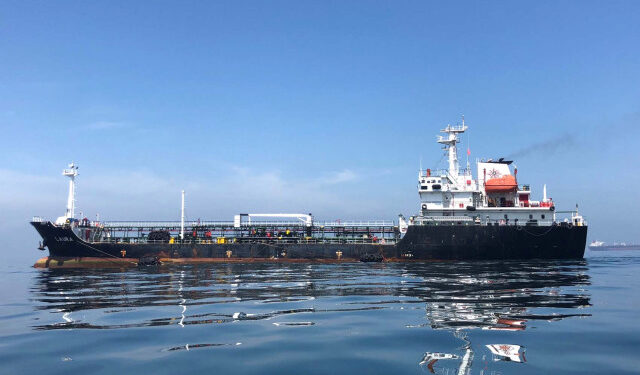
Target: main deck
{"points": [[224, 232]]}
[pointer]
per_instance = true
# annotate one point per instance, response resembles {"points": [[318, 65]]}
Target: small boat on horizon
{"points": [[601, 246]]}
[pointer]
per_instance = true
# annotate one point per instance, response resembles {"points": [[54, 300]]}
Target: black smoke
{"points": [[562, 143]]}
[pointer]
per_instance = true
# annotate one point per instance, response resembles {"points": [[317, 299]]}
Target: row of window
{"points": [[434, 186]]}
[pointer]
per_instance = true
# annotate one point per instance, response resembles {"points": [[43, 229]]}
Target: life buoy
{"points": [[553, 208]]}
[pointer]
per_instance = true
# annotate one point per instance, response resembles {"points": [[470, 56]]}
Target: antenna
{"points": [[468, 149]]}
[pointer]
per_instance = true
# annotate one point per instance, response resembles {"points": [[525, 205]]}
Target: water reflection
{"points": [[456, 297], [493, 296]]}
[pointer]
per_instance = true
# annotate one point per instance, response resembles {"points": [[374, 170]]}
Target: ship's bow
{"points": [[60, 240]]}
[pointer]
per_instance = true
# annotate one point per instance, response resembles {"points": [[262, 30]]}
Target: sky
{"points": [[325, 107]]}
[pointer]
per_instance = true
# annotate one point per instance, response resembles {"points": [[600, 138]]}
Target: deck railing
{"points": [[248, 240], [450, 220], [202, 223]]}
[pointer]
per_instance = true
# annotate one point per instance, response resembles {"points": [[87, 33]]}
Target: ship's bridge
{"points": [[495, 196]]}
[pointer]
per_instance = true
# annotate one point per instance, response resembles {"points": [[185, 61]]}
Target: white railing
{"points": [[446, 218], [440, 172], [161, 224], [452, 220], [370, 223]]}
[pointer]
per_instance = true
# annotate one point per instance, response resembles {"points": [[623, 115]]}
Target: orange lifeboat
{"points": [[505, 184]]}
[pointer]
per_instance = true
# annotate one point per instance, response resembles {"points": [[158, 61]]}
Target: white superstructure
{"points": [[494, 197]]}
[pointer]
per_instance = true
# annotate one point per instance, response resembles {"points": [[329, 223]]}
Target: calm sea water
{"points": [[546, 317]]}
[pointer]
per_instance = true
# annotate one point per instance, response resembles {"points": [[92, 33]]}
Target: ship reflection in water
{"points": [[464, 299]]}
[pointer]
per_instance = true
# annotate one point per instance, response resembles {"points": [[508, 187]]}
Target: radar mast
{"points": [[449, 141]]}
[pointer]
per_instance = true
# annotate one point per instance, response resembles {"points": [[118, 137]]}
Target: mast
{"points": [[71, 172], [449, 141], [182, 218]]}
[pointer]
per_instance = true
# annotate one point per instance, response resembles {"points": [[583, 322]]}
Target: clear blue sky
{"points": [[311, 106]]}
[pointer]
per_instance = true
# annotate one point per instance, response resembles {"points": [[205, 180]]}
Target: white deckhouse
{"points": [[453, 196]]}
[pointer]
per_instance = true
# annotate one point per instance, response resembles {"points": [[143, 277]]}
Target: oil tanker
{"points": [[460, 217]]}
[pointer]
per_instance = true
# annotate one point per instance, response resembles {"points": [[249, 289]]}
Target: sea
{"points": [[525, 317]]}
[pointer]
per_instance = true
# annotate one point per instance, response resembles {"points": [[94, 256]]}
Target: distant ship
{"points": [[491, 216], [601, 246]]}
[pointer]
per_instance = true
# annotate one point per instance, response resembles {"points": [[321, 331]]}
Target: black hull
{"points": [[495, 242], [456, 242]]}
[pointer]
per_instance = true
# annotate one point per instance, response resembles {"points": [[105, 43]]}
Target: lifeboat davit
{"points": [[504, 184]]}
